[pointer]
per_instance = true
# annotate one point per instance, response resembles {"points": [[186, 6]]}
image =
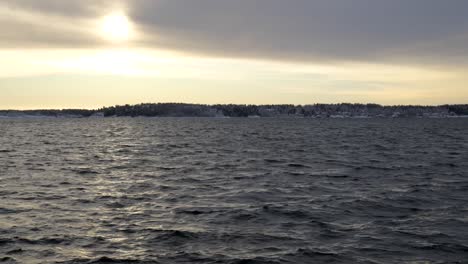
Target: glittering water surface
{"points": [[185, 190]]}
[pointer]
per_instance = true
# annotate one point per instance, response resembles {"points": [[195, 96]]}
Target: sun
{"points": [[116, 27]]}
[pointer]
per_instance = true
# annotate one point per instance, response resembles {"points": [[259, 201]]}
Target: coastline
{"points": [[343, 110]]}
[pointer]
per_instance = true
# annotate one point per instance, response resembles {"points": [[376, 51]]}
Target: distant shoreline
{"points": [[343, 110], [44, 117]]}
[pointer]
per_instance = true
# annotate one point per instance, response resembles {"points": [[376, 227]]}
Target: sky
{"points": [[94, 53]]}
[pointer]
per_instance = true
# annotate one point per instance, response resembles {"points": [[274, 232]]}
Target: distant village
{"points": [[343, 110]]}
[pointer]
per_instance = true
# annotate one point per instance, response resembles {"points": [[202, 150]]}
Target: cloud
{"points": [[308, 29], [416, 31], [34, 24], [70, 8]]}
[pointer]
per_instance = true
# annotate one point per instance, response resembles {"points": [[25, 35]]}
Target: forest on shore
{"points": [[342, 110]]}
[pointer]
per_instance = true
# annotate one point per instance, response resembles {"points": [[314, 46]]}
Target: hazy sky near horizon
{"points": [[92, 53]]}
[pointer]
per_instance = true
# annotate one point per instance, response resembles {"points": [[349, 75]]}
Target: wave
{"points": [[233, 191]]}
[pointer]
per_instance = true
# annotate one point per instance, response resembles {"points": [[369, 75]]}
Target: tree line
{"points": [[242, 110]]}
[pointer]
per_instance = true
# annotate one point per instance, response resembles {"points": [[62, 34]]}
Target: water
{"points": [[185, 190]]}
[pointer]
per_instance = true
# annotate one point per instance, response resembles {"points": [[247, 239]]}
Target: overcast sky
{"points": [[55, 53]]}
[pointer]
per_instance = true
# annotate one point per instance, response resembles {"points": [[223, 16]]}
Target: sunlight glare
{"points": [[116, 27]]}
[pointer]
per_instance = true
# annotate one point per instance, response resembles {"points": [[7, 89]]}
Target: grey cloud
{"points": [[70, 8], [51, 23], [17, 34], [307, 30]]}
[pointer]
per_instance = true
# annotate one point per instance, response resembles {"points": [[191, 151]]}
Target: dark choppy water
{"points": [[233, 191]]}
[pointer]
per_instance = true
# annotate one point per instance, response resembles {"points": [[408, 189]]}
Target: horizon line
{"points": [[214, 104]]}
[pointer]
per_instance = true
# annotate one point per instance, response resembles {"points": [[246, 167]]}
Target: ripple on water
{"points": [[175, 190]]}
